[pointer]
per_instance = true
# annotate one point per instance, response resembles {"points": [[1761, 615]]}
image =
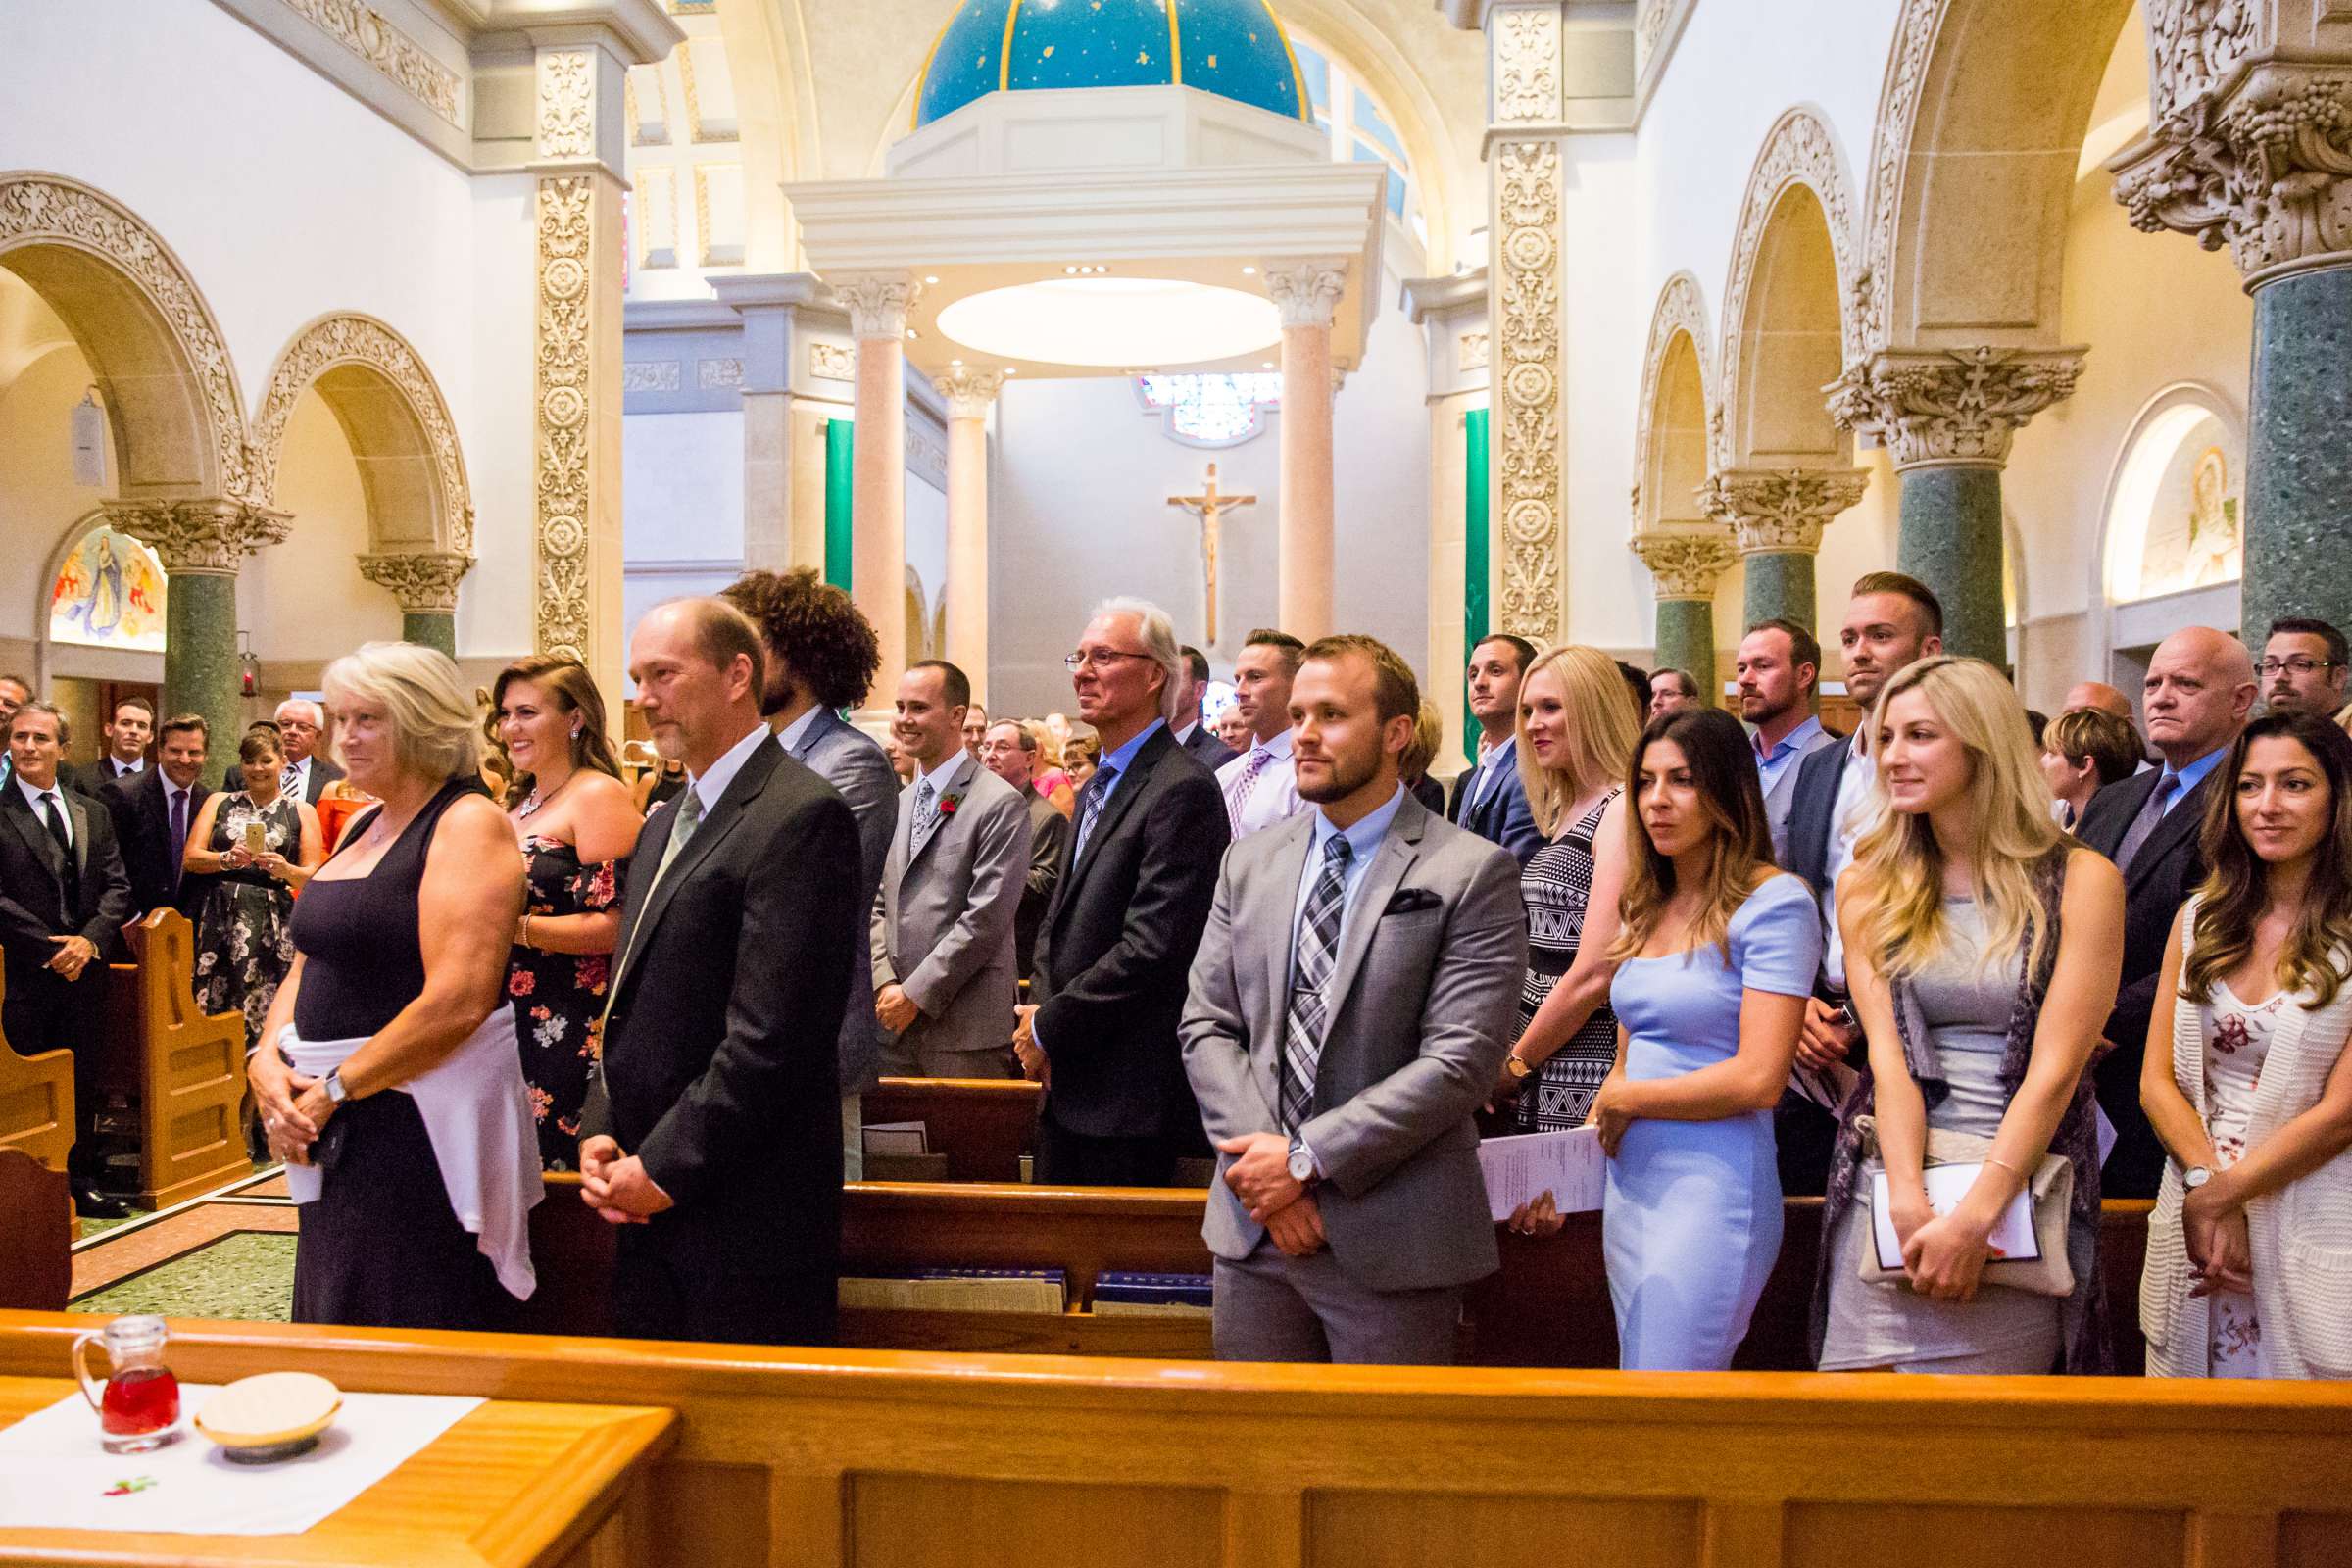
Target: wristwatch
{"points": [[1516, 1065], [2195, 1177], [333, 1084], [1302, 1164]]}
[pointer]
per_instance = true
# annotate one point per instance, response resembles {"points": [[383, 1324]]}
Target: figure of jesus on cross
{"points": [[1209, 507]]}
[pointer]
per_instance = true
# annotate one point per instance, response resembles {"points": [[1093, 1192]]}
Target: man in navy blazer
{"points": [[1489, 798], [1190, 734]]}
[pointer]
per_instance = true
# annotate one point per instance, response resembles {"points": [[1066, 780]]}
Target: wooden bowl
{"points": [[275, 1415]]}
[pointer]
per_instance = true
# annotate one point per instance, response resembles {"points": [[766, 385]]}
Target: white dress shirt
{"points": [[300, 788], [1849, 816], [116, 768], [709, 786], [32, 798], [1493, 761], [1273, 795], [790, 735]]}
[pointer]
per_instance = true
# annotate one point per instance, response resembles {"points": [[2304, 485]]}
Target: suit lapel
{"points": [[79, 815], [1273, 923], [1400, 846], [1131, 787], [30, 827], [716, 825], [2186, 818], [960, 777]]}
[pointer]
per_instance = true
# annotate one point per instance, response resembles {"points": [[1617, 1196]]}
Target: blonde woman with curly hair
{"points": [[1576, 738], [1982, 948]]}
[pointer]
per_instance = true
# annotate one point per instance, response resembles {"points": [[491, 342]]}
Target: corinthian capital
{"points": [[1306, 293], [1684, 562], [2258, 159], [879, 302], [201, 538], [1780, 510], [425, 583], [968, 392], [1952, 406]]}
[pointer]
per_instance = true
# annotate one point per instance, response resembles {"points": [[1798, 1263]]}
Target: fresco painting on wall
{"points": [[2193, 536], [109, 594]]}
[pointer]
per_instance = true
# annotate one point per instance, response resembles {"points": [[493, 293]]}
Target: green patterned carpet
{"points": [[248, 1275]]}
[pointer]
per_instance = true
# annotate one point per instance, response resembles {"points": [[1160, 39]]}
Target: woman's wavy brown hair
{"points": [[575, 690], [1723, 768], [2236, 891]]}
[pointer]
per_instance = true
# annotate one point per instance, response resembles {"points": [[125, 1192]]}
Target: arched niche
{"points": [[1981, 124], [2172, 525], [101, 609], [1673, 418], [154, 348]]}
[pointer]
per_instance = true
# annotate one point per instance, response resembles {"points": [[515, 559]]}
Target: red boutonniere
{"points": [[947, 804]]}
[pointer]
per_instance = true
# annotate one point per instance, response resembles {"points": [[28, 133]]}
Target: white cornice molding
{"points": [[1457, 293]]}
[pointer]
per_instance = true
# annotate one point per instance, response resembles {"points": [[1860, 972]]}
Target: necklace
{"points": [[524, 812]]}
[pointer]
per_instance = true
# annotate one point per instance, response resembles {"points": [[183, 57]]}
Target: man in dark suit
{"points": [[711, 1133], [1009, 752], [1489, 798], [64, 901], [1190, 734], [1125, 919], [153, 812], [128, 733], [1891, 621], [2200, 692], [15, 692], [821, 659], [302, 726]]}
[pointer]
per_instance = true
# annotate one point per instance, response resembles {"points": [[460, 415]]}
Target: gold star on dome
{"points": [[1049, 54], [1143, 57], [1212, 62]]}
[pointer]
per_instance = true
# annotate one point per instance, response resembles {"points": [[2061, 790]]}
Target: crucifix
{"points": [[1209, 507]]}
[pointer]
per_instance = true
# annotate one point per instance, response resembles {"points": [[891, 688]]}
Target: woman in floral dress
{"points": [[254, 847], [576, 824]]}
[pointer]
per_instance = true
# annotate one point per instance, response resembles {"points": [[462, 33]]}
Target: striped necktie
{"points": [[1239, 800], [1309, 1012]]}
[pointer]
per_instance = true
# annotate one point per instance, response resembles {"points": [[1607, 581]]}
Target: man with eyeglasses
{"points": [[1116, 946], [2304, 662]]}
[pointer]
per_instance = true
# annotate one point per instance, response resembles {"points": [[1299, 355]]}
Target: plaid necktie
{"points": [[1097, 793], [1310, 970], [1239, 799]]}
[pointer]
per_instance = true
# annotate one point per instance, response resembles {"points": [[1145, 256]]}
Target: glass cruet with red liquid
{"points": [[139, 1403]]}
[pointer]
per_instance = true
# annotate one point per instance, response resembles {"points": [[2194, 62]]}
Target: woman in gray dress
{"points": [[1983, 948]]}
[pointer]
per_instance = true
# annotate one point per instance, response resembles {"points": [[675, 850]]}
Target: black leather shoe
{"points": [[91, 1203]]}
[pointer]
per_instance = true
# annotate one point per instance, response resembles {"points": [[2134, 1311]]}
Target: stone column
{"points": [[578, 192], [968, 394], [1308, 294], [1684, 564], [2250, 146], [1451, 311], [1775, 516], [878, 304], [1947, 417], [427, 585], [797, 373], [203, 545]]}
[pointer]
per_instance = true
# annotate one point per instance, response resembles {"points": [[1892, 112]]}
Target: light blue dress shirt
{"points": [[1769, 765], [1363, 843]]}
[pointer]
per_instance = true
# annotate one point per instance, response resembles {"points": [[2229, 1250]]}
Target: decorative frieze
{"points": [[209, 538], [1889, 158], [1781, 511], [1306, 293], [1952, 406], [1684, 562], [718, 375], [566, 103], [1528, 197], [425, 583], [364, 33], [650, 376], [1527, 64], [1470, 352], [832, 362]]}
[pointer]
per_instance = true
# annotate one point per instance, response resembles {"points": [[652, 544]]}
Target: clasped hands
{"points": [[617, 1188], [72, 955], [293, 1109], [1260, 1177], [895, 1008], [2221, 1254], [1944, 1254], [1025, 1047]]}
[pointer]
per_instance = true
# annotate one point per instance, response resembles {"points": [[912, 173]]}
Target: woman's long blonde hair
{"points": [[1602, 733], [1898, 860]]}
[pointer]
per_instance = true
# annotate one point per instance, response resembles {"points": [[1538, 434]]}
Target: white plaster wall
{"points": [[681, 504], [497, 605], [305, 599], [40, 502]]}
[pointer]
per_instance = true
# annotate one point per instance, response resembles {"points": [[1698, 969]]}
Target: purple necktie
{"points": [[179, 833]]}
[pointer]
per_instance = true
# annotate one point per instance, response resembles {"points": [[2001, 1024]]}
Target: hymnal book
{"points": [[1129, 1295], [958, 1290], [897, 1138], [2012, 1234], [1568, 1164]]}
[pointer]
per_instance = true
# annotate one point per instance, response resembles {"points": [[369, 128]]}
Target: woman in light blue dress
{"points": [[1717, 954]]}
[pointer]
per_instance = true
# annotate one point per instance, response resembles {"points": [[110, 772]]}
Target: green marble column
{"points": [[1780, 584], [1951, 541], [2299, 453], [200, 657], [1685, 637], [430, 628]]}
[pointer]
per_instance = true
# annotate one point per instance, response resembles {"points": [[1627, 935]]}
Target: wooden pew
{"points": [[182, 1071], [36, 1101], [983, 1125], [847, 1458], [37, 1234]]}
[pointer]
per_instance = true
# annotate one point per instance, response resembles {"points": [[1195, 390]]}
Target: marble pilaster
{"points": [[796, 375]]}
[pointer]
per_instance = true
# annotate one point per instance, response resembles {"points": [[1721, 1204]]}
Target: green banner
{"points": [[840, 437], [1474, 560]]}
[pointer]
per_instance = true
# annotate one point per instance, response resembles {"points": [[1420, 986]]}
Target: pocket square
{"points": [[1408, 899]]}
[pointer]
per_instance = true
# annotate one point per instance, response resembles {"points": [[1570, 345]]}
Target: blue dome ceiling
{"points": [[1233, 48]]}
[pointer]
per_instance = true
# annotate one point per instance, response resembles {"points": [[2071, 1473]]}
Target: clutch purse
{"points": [[2047, 1198]]}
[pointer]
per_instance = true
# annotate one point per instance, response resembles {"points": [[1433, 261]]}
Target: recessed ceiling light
{"points": [[911, 332], [1069, 271], [1265, 365], [1249, 271], [953, 364], [1011, 369], [930, 279]]}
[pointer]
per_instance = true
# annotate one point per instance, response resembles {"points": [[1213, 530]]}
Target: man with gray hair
{"points": [[302, 724], [1126, 914], [1009, 750]]}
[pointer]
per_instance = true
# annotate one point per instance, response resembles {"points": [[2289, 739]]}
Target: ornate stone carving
{"points": [[879, 302], [718, 375], [1649, 26], [363, 340], [567, 103], [425, 583], [1680, 313], [968, 392], [1954, 406], [1306, 293], [365, 33], [1890, 155], [200, 538], [832, 362], [1528, 197], [650, 376], [1527, 65], [1470, 352], [1781, 509], [1684, 562], [39, 209], [2192, 45], [2266, 171], [566, 228], [1797, 151]]}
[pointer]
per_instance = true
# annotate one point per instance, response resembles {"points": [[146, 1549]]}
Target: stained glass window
{"points": [[1216, 410]]}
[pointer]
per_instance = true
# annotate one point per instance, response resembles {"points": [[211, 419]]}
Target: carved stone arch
{"points": [[398, 424], [1788, 331], [158, 355], [1972, 171], [1677, 355]]}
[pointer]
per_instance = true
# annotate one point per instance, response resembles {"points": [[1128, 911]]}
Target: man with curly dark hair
{"points": [[821, 659]]}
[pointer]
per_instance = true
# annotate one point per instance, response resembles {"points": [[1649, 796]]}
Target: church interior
{"points": [[490, 326]]}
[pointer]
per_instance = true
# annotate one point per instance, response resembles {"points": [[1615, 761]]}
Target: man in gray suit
{"points": [[1009, 752], [821, 659], [1351, 1001], [1779, 670], [943, 976]]}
